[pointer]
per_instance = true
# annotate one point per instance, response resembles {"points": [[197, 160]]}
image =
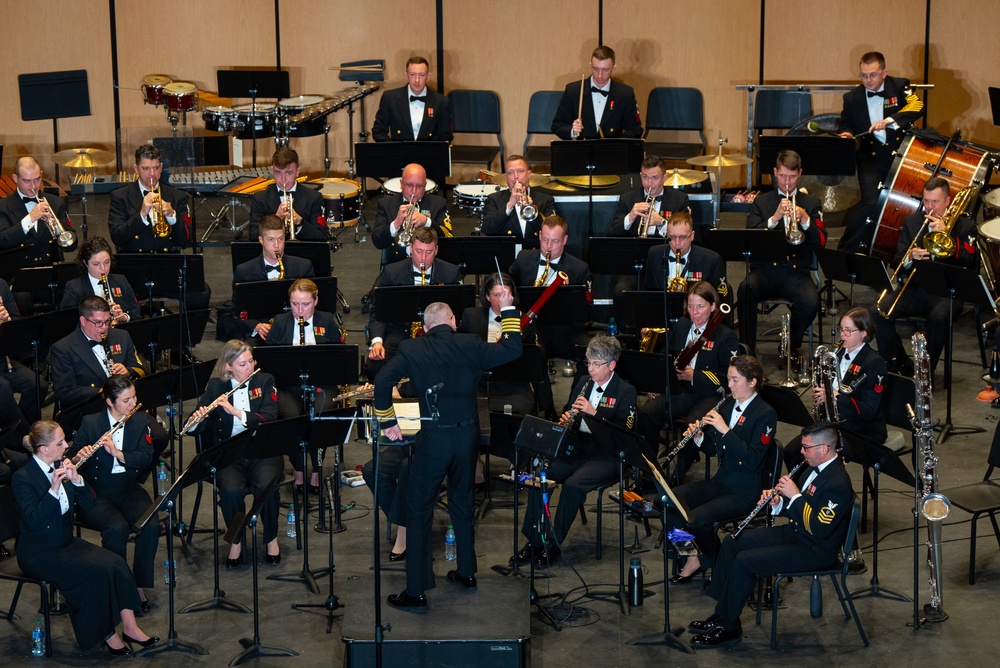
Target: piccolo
{"points": [[760, 506], [83, 455], [194, 421], [697, 429]]}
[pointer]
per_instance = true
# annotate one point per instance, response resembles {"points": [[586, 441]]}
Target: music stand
{"points": [[158, 273], [477, 255], [10, 261], [253, 84], [822, 155], [54, 95], [595, 157], [51, 277], [668, 636], [953, 283], [649, 308], [851, 268], [164, 332], [399, 303], [317, 252], [787, 403], [620, 255], [994, 94], [389, 158], [37, 333], [261, 300]]}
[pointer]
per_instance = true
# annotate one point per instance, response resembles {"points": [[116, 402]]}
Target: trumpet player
{"points": [[25, 221], [915, 300], [789, 278], [307, 213], [636, 214], [503, 211], [95, 259], [415, 207], [130, 217]]}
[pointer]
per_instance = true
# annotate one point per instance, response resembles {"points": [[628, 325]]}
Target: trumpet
{"points": [[64, 237], [643, 228], [698, 427], [161, 228], [84, 455], [764, 503], [289, 200], [194, 421], [528, 210], [793, 234], [545, 272], [405, 235]]}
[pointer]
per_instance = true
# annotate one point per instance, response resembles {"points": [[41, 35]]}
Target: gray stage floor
{"points": [[595, 631]]}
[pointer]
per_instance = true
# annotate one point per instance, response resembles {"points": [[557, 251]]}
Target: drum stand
{"points": [[227, 209]]}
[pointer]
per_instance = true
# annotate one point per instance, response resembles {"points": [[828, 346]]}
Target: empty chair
{"points": [[476, 112], [541, 110], [675, 109]]}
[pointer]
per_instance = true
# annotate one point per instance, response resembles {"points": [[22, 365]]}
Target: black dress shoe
{"points": [[717, 637], [314, 491], [548, 557], [405, 601], [273, 559], [234, 563], [467, 582], [526, 555], [144, 607], [299, 489], [123, 651], [705, 626], [152, 640], [397, 556], [681, 579]]}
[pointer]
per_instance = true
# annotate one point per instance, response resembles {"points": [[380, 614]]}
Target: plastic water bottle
{"points": [[449, 544], [635, 582], [291, 521], [38, 639], [162, 480], [612, 327]]}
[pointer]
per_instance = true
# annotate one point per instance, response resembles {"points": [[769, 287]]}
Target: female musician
{"points": [[701, 379], [95, 259], [223, 418], [114, 471], [740, 434], [100, 591], [317, 327]]}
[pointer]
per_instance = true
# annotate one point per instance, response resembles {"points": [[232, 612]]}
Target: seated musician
{"points": [[254, 402], [303, 325], [503, 211], [818, 505], [739, 433], [15, 376], [697, 263], [915, 300], [604, 394], [701, 377], [413, 112], [413, 209], [609, 109], [87, 357], [634, 210], [117, 465], [100, 591], [788, 279], [308, 216], [421, 268], [95, 259]]}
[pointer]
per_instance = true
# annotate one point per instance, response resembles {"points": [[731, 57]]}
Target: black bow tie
{"points": [[422, 98], [847, 357], [595, 89], [51, 469], [94, 344], [497, 319], [673, 258], [268, 268], [880, 93], [600, 390], [551, 263], [29, 200], [417, 274], [658, 198], [738, 409]]}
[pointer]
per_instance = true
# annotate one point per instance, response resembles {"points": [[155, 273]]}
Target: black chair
{"points": [[476, 112], [541, 110], [675, 109], [10, 527], [778, 110], [979, 498], [838, 570]]}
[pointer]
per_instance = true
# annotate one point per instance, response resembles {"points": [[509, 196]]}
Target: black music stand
{"points": [[51, 277], [668, 636], [596, 157], [399, 303], [503, 431], [10, 261], [956, 284], [164, 332], [158, 273], [317, 252], [822, 155], [787, 403], [477, 255], [853, 269], [649, 308], [261, 300], [54, 95], [253, 84], [620, 255], [37, 333], [390, 157]]}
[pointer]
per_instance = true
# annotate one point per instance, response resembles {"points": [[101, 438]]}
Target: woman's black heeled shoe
{"points": [[122, 651], [681, 579], [152, 640], [397, 556], [273, 559], [234, 563]]}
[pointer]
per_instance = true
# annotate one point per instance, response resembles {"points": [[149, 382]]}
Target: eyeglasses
{"points": [[870, 77], [818, 445], [845, 330], [591, 363], [683, 237], [99, 323]]}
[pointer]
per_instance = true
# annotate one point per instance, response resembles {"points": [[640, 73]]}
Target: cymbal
{"points": [[500, 179], [683, 177], [83, 157], [993, 197], [714, 160], [609, 181]]}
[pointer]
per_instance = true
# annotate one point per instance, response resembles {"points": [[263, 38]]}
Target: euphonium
{"points": [[941, 243], [545, 272], [161, 228], [826, 374], [65, 238], [290, 221], [677, 282], [644, 220], [793, 234], [405, 235]]}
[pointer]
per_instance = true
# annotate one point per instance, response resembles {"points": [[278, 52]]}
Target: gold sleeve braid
{"points": [[386, 413], [511, 325]]}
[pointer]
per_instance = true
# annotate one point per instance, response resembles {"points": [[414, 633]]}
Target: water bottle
{"points": [[162, 480], [815, 598], [290, 521], [38, 639], [612, 327], [449, 544], [635, 582]]}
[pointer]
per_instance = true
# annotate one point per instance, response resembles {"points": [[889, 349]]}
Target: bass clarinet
{"points": [[763, 504]]}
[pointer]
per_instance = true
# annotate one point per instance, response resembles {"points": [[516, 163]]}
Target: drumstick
{"points": [[579, 113], [499, 273]]}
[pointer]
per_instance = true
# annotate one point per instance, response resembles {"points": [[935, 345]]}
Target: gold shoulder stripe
{"points": [[711, 376], [807, 517], [913, 103]]}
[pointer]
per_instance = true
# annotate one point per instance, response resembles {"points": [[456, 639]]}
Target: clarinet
{"points": [[760, 506], [302, 331], [109, 364], [567, 421], [687, 439]]}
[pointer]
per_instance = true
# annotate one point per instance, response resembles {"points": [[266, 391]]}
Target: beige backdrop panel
{"points": [[74, 37]]}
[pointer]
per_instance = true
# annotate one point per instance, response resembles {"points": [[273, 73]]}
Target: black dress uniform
{"points": [[131, 233], [18, 378], [392, 120], [121, 293], [78, 374], [430, 205], [620, 119], [307, 202], [497, 222], [258, 269], [668, 202]]}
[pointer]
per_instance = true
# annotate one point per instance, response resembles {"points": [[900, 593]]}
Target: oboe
{"points": [[697, 428], [760, 506]]}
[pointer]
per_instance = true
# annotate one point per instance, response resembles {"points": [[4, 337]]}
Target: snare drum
{"points": [[341, 201], [293, 105], [254, 119], [152, 88], [218, 119], [395, 186], [471, 196], [180, 96]]}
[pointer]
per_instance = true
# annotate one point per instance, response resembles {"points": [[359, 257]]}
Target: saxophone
{"points": [[826, 374], [677, 282], [933, 505], [281, 267], [545, 272]]}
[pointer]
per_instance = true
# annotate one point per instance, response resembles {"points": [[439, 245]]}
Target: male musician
{"points": [[788, 279], [818, 505], [609, 109], [307, 204], [601, 393], [266, 267], [445, 367], [413, 112], [414, 207], [878, 110], [130, 218], [23, 219], [634, 208], [915, 300], [503, 210], [80, 361], [420, 269], [14, 376], [696, 262]]}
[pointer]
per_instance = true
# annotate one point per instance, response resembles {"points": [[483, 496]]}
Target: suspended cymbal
{"points": [[714, 160], [500, 179], [83, 157], [993, 197], [584, 181], [683, 177]]}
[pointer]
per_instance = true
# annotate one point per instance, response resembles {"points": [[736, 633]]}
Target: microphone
{"points": [[434, 388]]}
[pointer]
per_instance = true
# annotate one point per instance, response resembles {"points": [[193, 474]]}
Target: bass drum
{"points": [[963, 165], [341, 201], [989, 248]]}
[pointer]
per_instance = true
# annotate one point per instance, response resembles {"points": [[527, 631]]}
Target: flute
{"points": [[697, 428], [194, 422], [760, 506], [83, 456]]}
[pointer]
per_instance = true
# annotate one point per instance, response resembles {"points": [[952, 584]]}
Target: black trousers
{"points": [[22, 380], [707, 502], [114, 514], [773, 282], [915, 301], [393, 482], [251, 476]]}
